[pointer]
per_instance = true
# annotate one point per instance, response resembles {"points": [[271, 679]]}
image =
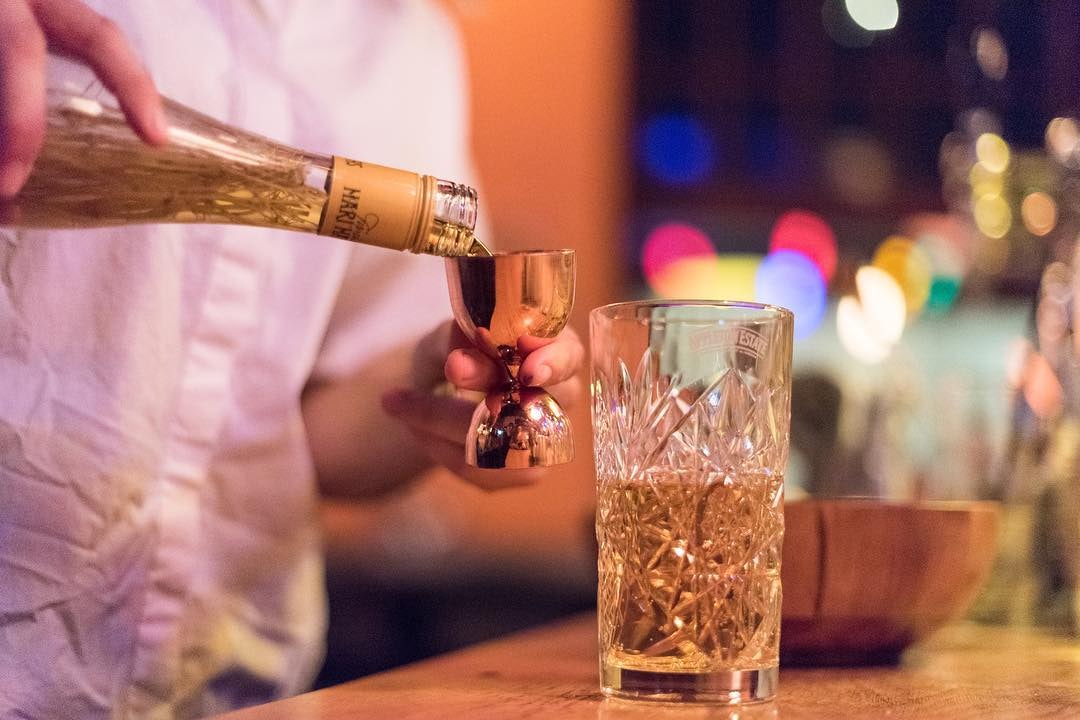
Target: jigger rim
{"points": [[516, 253], [611, 310]]}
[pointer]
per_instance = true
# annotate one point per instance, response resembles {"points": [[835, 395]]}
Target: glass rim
{"points": [[529, 252], [772, 312]]}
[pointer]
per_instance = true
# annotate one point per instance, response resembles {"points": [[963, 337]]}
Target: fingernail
{"points": [[12, 177], [396, 402], [539, 377]]}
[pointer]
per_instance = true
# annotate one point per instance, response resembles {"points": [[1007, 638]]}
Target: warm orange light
{"points": [[1039, 213], [1041, 387], [728, 277], [908, 264]]}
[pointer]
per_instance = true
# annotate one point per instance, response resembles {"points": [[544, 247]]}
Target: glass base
{"points": [[728, 687]]}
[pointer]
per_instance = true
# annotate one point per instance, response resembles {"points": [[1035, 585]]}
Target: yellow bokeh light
{"points": [[993, 152], [984, 181], [1039, 213], [908, 264], [729, 277], [1062, 138], [992, 216]]}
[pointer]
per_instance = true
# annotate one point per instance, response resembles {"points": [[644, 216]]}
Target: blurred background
{"points": [[905, 174]]}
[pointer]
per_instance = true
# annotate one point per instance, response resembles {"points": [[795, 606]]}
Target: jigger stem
{"points": [[511, 361]]}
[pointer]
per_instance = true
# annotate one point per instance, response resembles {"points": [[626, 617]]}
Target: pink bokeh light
{"points": [[669, 243], [809, 235]]}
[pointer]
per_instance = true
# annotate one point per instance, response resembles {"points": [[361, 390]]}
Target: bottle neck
{"points": [[396, 209], [453, 219]]}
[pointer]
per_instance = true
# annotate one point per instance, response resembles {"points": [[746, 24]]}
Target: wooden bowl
{"points": [[863, 579]]}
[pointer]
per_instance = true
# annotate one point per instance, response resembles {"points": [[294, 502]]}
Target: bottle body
{"points": [[94, 171]]}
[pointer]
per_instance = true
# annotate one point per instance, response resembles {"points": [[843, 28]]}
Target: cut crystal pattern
{"points": [[690, 515]]}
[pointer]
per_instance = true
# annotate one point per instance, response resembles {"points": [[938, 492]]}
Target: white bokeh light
{"points": [[874, 15], [853, 329], [870, 326], [883, 303]]}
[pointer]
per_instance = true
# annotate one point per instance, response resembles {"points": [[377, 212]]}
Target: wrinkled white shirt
{"points": [[159, 554]]}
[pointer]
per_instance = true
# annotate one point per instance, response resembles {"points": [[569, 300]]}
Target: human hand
{"points": [[30, 28], [441, 422]]}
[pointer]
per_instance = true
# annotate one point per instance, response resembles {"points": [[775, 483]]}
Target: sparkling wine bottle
{"points": [[94, 171]]}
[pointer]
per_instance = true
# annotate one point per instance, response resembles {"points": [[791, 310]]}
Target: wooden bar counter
{"points": [[962, 671]]}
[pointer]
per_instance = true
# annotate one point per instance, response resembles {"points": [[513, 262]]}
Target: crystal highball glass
{"points": [[691, 407]]}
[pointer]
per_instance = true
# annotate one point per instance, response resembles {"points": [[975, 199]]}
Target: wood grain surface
{"points": [[863, 579], [960, 672]]}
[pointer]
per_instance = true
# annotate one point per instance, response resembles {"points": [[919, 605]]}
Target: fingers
{"points": [[451, 455], [553, 362], [440, 425], [75, 30], [27, 28], [22, 94], [471, 369], [436, 415], [547, 360]]}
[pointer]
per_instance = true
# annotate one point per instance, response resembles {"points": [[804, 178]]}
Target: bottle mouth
{"points": [[455, 204]]}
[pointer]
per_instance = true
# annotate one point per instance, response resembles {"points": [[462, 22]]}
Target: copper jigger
{"points": [[498, 300]]}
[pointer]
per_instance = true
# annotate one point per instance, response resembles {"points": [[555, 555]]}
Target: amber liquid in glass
{"points": [[690, 572]]}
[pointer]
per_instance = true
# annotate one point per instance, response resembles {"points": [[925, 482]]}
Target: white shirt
{"points": [[159, 554]]}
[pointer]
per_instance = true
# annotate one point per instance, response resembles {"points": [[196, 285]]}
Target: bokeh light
{"points": [[808, 234], [993, 152], [944, 237], [1039, 213], [728, 277], [1063, 140], [882, 302], [944, 289], [859, 168], [670, 242], [985, 182], [853, 330], [677, 149], [990, 53], [992, 216], [738, 273], [909, 265], [1041, 387], [792, 280], [946, 269], [870, 325], [874, 15], [1054, 309]]}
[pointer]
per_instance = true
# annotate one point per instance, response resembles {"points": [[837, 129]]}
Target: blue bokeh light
{"points": [[678, 149], [792, 280]]}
